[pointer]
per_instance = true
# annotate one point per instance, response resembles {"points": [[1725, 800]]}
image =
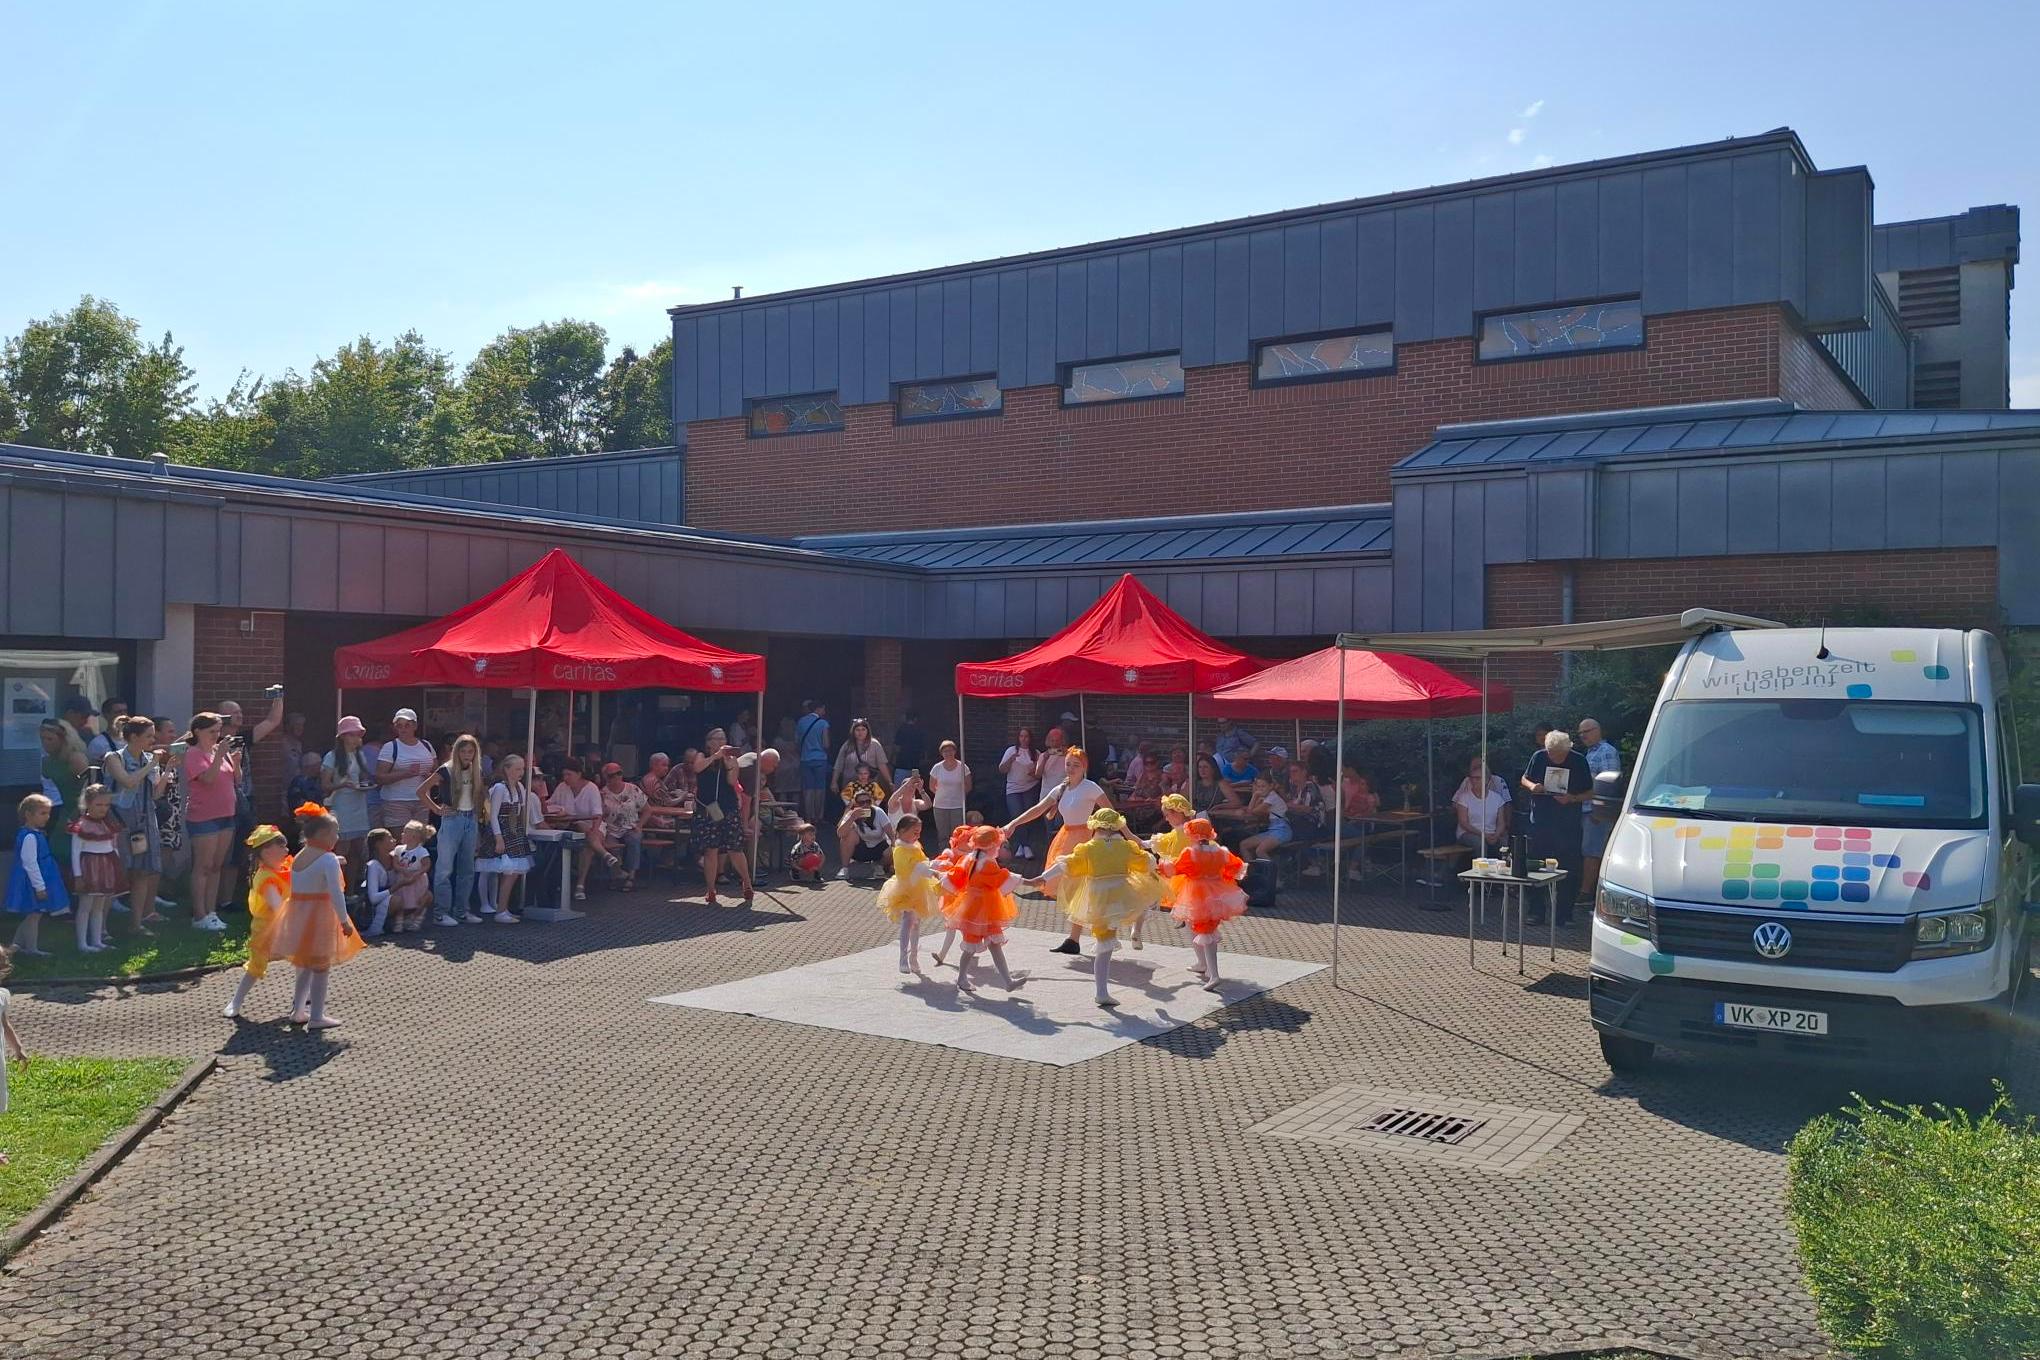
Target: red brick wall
{"points": [[228, 663], [1807, 374], [1947, 587], [1224, 445]]}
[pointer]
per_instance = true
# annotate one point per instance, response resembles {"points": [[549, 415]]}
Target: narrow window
{"points": [[1561, 330], [949, 399], [1158, 375], [1329, 356], [814, 413]]}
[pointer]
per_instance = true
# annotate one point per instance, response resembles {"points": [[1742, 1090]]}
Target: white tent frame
{"points": [[1484, 644]]}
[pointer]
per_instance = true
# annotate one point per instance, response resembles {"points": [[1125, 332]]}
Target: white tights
{"points": [[910, 940], [1206, 947], [970, 951]]}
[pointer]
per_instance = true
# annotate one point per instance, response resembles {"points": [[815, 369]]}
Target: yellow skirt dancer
{"points": [[268, 890], [1105, 885], [913, 895]]}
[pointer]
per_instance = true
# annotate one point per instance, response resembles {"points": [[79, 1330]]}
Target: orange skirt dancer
{"points": [[1208, 894], [308, 932], [979, 906]]}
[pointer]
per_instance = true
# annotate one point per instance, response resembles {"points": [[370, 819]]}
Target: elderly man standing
{"points": [[1558, 782], [765, 810], [1602, 758]]}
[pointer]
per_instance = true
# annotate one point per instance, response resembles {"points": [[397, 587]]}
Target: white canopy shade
{"points": [[1610, 635]]}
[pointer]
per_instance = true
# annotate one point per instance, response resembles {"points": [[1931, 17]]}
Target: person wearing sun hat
{"points": [[1107, 884], [1205, 880], [1170, 842], [979, 906], [268, 890]]}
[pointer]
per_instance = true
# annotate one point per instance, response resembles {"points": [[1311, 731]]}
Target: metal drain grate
{"points": [[1434, 1128], [1425, 1126]]}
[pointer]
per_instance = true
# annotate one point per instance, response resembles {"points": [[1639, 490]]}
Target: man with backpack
{"points": [[811, 735]]}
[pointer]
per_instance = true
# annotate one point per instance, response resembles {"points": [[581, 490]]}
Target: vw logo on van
{"points": [[1772, 940]]}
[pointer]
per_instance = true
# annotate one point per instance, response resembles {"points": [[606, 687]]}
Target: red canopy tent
{"points": [[1376, 685], [555, 625], [1127, 643]]}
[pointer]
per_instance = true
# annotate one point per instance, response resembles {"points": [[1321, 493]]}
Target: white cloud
{"points": [[1536, 107], [1516, 136], [1539, 162]]}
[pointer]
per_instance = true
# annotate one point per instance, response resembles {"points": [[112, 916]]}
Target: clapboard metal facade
{"points": [[1742, 221], [1987, 233], [637, 486], [1686, 485]]}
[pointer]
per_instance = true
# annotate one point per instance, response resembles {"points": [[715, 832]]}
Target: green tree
{"points": [[637, 398], [84, 380], [534, 393]]}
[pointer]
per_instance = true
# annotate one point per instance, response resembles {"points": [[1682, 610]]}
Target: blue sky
{"points": [[270, 181]]}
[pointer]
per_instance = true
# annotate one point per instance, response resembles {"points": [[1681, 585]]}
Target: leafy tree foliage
{"points": [[637, 398], [84, 380], [534, 393]]}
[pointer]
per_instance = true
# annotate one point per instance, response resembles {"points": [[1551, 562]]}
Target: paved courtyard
{"points": [[508, 1150]]}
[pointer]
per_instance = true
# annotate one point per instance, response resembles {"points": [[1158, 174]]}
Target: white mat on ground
{"points": [[1050, 1019]]}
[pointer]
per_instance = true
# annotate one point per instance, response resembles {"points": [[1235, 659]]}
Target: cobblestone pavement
{"points": [[506, 1151]]}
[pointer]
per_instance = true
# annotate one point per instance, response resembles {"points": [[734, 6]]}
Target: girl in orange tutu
{"points": [[1105, 885], [913, 894], [982, 906], [313, 931], [268, 891], [957, 852], [1165, 845], [1205, 880], [1073, 800]]}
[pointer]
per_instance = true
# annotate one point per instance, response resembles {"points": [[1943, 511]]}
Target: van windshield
{"points": [[1841, 762]]}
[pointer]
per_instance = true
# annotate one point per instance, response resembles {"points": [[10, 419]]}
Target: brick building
{"points": [[1704, 375]]}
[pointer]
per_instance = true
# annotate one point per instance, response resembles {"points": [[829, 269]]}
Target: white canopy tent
{"points": [[1483, 644]]}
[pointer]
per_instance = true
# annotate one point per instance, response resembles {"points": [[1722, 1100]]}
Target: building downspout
{"points": [[1567, 583]]}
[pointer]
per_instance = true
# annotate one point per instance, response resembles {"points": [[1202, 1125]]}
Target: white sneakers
{"points": [[209, 921], [471, 919], [442, 919]]}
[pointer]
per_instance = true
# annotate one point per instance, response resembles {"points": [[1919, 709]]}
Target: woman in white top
{"points": [[1022, 767], [1270, 807], [401, 764], [951, 780], [1484, 817], [1073, 800], [512, 814], [910, 798]]}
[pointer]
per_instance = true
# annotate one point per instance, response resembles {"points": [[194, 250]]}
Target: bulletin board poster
{"points": [[450, 712], [29, 699]]}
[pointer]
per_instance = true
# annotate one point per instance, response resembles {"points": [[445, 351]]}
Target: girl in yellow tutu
{"points": [[980, 905], [268, 890], [1106, 884], [1073, 801], [1205, 880], [913, 895], [313, 931], [1168, 843]]}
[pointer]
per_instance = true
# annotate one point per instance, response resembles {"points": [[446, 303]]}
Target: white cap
{"points": [[405, 715], [1070, 717]]}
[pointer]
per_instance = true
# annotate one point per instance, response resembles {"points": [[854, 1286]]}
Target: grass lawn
{"points": [[175, 945], [60, 1110]]}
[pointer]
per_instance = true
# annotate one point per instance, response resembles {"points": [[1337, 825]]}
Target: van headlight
{"points": [[1940, 934], [1621, 907]]}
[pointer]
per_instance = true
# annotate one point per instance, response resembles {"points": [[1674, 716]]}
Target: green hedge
{"points": [[1920, 1231]]}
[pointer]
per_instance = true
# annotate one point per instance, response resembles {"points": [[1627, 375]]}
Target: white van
{"points": [[1823, 851]]}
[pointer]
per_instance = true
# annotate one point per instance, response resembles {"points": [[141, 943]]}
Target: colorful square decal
{"points": [[1799, 831], [1885, 861], [1764, 892], [1827, 846], [1660, 823], [1714, 843], [1793, 890], [1917, 880], [1687, 833], [1855, 873], [1826, 892], [1855, 892], [1935, 672], [1827, 871], [1859, 691], [1735, 871], [1857, 859], [1734, 890], [1905, 654], [1856, 833], [1763, 871]]}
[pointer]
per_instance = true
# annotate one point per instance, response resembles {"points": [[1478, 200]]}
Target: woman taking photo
{"points": [[136, 776], [64, 768], [718, 828], [861, 749], [1021, 765], [347, 775], [211, 780]]}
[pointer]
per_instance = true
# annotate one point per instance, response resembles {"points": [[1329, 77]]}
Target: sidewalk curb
{"points": [[64, 1196], [28, 986]]}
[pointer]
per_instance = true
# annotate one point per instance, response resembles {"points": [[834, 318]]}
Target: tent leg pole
{"points": [[1431, 787], [1190, 731], [595, 725], [531, 738], [1338, 814], [1083, 725], [1486, 773], [959, 724], [757, 791], [1296, 744]]}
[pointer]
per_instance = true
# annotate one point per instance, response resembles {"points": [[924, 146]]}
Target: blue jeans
{"points": [[1030, 834], [453, 871]]}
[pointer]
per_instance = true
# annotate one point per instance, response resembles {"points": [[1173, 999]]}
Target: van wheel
{"points": [[1624, 1054]]}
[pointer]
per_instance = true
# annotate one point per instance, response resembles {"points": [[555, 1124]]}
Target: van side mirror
{"points": [[2026, 813]]}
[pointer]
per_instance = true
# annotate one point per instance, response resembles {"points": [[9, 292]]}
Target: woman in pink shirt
{"points": [[211, 778]]}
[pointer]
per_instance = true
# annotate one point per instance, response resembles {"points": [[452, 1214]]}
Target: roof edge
{"points": [[1779, 136], [442, 469], [1062, 528]]}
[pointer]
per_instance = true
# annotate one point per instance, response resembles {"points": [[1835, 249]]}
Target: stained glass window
{"points": [[949, 398], [1562, 330], [1160, 375], [1334, 356], [810, 414]]}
